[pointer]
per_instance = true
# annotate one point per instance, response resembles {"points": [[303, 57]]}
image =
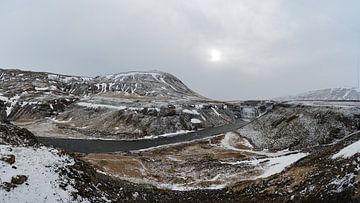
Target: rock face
{"points": [[139, 119], [13, 135], [3, 116], [326, 94], [298, 126]]}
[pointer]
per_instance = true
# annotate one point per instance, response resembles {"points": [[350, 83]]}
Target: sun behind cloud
{"points": [[215, 55]]}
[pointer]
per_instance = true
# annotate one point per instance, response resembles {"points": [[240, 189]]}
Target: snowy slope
{"points": [[348, 151], [326, 94], [42, 168]]}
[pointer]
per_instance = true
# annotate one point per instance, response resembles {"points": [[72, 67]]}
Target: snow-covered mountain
{"points": [[326, 94], [150, 84]]}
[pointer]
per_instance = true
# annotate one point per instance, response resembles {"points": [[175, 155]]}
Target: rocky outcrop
{"points": [[296, 126], [3, 117], [23, 111], [13, 135], [137, 120]]}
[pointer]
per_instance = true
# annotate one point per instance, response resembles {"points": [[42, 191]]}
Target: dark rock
{"points": [[10, 159], [7, 186], [13, 135], [3, 116], [19, 179], [15, 181]]}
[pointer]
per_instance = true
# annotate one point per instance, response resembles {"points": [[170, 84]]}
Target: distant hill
{"points": [[326, 94], [136, 83]]}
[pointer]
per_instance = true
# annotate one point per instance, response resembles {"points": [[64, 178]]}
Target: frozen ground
{"points": [[207, 164], [41, 167]]}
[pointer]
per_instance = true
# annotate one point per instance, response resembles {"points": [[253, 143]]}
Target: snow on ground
{"points": [[275, 163], [168, 134], [12, 101], [41, 166], [217, 113], [272, 165], [184, 188], [348, 151], [265, 166], [228, 143], [339, 184], [114, 107], [195, 120], [193, 112], [58, 121], [41, 88], [230, 138], [95, 106]]}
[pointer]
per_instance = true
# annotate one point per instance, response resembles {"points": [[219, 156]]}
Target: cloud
{"points": [[270, 47]]}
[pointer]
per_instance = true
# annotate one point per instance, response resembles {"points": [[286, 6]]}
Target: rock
{"points": [[13, 135], [15, 181], [19, 179], [298, 126], [7, 186], [2, 112], [10, 159]]}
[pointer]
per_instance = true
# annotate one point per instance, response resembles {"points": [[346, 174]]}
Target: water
{"points": [[102, 146]]}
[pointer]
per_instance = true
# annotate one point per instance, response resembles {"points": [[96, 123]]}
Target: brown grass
{"points": [[116, 164]]}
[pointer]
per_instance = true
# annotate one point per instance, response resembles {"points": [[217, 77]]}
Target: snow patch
{"points": [[193, 112], [12, 101], [195, 121], [41, 88], [341, 184], [272, 165], [168, 134], [95, 106], [228, 141], [217, 113], [348, 151]]}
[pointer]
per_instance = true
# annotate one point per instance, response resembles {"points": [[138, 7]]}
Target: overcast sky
{"points": [[223, 49]]}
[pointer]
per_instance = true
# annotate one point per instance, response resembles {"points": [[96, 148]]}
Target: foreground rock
{"points": [[13, 135]]}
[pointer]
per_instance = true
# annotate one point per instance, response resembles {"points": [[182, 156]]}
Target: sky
{"points": [[222, 49]]}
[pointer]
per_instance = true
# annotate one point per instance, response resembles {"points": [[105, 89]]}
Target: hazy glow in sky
{"points": [[224, 49], [215, 55]]}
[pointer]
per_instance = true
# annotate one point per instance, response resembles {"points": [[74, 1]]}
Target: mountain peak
{"points": [[152, 83]]}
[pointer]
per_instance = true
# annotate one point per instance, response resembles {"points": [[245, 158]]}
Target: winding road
{"points": [[103, 146]]}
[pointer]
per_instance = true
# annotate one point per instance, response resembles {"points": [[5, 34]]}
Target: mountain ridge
{"points": [[139, 83], [326, 94]]}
